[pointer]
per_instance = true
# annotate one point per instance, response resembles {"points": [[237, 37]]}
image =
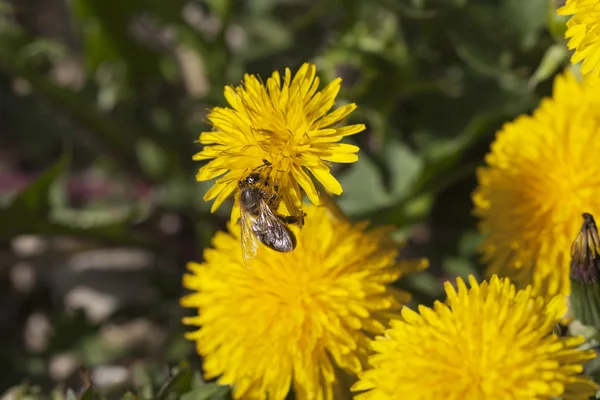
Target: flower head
{"points": [[489, 342], [295, 319], [286, 122], [542, 173], [584, 34]]}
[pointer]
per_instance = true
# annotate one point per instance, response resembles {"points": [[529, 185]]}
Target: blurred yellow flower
{"points": [[584, 34], [542, 173], [295, 319], [286, 122], [489, 342]]}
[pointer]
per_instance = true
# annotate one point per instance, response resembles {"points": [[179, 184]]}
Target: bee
{"points": [[258, 199]]}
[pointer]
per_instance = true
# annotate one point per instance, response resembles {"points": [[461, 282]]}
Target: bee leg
{"points": [[272, 199], [293, 220]]}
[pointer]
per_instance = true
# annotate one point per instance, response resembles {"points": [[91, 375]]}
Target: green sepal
{"points": [[585, 302]]}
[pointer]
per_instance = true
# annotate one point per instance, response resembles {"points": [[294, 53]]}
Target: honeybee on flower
{"points": [[258, 198], [286, 121]]}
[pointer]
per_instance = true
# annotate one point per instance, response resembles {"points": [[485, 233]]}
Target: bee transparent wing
{"points": [[249, 240], [272, 231]]}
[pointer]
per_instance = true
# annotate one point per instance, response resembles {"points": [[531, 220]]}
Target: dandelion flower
{"points": [[584, 34], [288, 123], [542, 173], [490, 342], [295, 319]]}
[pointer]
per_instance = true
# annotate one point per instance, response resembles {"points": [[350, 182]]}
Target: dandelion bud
{"points": [[585, 271]]}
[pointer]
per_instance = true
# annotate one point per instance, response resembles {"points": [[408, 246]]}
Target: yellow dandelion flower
{"points": [[542, 173], [286, 122], [295, 319], [490, 342], [584, 34]]}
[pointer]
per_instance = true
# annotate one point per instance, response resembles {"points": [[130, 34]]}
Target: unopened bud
{"points": [[585, 274]]}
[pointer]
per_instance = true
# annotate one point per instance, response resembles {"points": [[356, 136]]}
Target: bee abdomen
{"points": [[281, 239]]}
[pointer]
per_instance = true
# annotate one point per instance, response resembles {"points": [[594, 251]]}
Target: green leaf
{"points": [[266, 36], [106, 29], [30, 213], [441, 168], [197, 380], [364, 190], [109, 134], [483, 58], [177, 385], [420, 181], [35, 198], [144, 386], [71, 394], [58, 394], [456, 266], [404, 165], [41, 49], [469, 243], [592, 369], [557, 24], [525, 18], [129, 396], [424, 286], [209, 391], [91, 393], [153, 159], [554, 57], [222, 8]]}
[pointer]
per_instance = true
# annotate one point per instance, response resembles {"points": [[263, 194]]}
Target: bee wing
{"points": [[248, 238], [274, 233]]}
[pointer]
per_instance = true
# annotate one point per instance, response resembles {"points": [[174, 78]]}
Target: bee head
{"points": [[252, 179]]}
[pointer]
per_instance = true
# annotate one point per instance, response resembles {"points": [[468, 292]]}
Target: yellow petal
{"points": [[335, 116], [235, 213], [306, 183], [211, 170], [350, 130], [213, 191], [341, 157], [341, 148], [324, 176], [204, 155], [224, 195], [233, 98], [592, 61], [326, 139]]}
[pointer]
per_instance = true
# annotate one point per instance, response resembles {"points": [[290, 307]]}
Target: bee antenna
{"points": [[260, 166]]}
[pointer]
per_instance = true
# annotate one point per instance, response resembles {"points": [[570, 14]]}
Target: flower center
{"points": [[281, 134]]}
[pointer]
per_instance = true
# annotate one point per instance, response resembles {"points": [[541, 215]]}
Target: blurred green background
{"points": [[101, 101]]}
